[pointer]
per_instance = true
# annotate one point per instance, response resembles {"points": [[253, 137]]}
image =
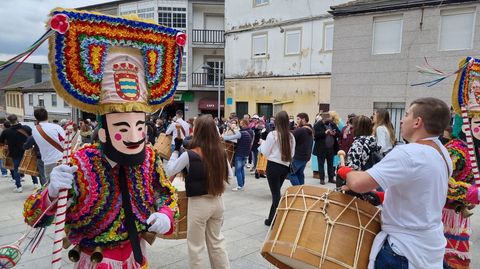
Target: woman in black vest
{"points": [[279, 148], [207, 172]]}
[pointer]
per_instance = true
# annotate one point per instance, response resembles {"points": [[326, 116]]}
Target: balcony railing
{"points": [[208, 36], [206, 79]]}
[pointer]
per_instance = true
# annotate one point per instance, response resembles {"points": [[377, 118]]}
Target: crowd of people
{"points": [[369, 143]]}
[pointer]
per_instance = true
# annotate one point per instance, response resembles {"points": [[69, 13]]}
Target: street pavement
{"points": [[243, 229]]}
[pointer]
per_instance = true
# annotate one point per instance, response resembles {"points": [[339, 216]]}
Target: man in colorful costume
{"points": [[463, 192], [118, 191]]}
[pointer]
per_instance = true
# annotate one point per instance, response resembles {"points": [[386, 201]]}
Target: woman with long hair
{"points": [[279, 148], [363, 145], [383, 130], [207, 173]]}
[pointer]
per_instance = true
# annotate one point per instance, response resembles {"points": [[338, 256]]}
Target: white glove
{"points": [[61, 178], [160, 223]]}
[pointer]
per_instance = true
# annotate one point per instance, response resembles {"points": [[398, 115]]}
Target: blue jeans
{"points": [[15, 174], [388, 259], [254, 157], [41, 171], [296, 175], [4, 171], [239, 170]]}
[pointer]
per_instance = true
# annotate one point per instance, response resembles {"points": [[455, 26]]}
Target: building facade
{"points": [[378, 45], [43, 95], [278, 56], [203, 21]]}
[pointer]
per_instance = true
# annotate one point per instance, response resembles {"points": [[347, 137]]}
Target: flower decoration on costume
{"points": [[59, 23], [181, 39], [462, 176], [96, 219]]}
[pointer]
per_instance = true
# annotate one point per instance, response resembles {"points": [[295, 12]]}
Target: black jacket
{"points": [[319, 129], [303, 143], [15, 140]]}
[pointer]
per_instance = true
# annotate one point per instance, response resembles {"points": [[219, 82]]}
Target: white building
{"points": [[203, 21], [278, 56], [43, 95]]}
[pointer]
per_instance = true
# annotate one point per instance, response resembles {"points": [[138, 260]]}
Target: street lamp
{"points": [[208, 67]]}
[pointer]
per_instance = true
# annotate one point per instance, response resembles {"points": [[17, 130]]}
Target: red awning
{"points": [[209, 104]]}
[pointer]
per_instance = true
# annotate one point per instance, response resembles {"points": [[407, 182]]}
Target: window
{"points": [[257, 3], [241, 108], [30, 99], [328, 37], [265, 109], [396, 111], [456, 29], [259, 45], [41, 102], [216, 66], [146, 13], [122, 13], [293, 41], [165, 16], [179, 20], [175, 17], [65, 104], [387, 35], [54, 100]]}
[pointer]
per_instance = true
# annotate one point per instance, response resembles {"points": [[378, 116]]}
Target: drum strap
{"points": [[48, 138], [435, 146]]}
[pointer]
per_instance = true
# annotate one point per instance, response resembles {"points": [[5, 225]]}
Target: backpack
{"points": [[375, 157]]}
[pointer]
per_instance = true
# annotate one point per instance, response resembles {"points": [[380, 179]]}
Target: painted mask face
{"points": [[127, 131], [475, 127]]}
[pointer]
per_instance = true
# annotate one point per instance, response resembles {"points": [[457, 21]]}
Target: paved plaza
{"points": [[243, 229]]}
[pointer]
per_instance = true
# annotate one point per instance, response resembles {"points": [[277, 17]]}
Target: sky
{"points": [[23, 21]]}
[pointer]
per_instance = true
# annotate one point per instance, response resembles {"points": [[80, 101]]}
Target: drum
{"points": [[319, 228], [8, 163], [163, 146], [261, 164], [180, 229], [28, 165], [230, 149], [3, 151]]}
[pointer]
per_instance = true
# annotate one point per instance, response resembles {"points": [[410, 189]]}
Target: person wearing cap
{"points": [[119, 195]]}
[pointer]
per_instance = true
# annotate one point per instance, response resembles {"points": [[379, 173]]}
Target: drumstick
{"points": [[341, 154]]}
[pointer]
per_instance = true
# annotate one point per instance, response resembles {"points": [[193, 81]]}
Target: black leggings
{"points": [[276, 174]]}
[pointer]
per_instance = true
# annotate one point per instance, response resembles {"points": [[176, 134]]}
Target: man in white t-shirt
{"points": [[415, 179], [50, 154], [183, 128]]}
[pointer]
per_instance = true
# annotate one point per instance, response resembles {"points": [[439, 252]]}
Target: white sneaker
{"points": [[36, 186], [248, 165], [238, 189], [18, 190]]}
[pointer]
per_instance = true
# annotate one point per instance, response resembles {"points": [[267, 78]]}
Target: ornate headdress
{"points": [[104, 64], [465, 93]]}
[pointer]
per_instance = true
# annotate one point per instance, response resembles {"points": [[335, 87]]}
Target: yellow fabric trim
{"points": [[456, 88]]}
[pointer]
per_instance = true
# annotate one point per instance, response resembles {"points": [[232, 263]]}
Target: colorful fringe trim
{"points": [[457, 231]]}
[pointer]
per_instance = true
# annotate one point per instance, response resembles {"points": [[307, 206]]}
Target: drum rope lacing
{"points": [[329, 223]]}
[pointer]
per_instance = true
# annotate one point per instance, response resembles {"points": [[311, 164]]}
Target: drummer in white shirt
{"points": [[415, 179]]}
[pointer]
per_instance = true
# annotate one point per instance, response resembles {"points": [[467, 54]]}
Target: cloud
{"points": [[22, 22]]}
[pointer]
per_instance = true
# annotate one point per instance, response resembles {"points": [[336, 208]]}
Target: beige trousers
{"points": [[205, 220]]}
